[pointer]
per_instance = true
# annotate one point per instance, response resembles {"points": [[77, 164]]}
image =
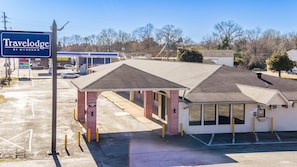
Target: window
{"points": [[210, 114], [273, 106], [195, 114], [239, 113], [224, 114]]}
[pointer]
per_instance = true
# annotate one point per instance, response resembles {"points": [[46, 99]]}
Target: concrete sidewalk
{"points": [[154, 124]]}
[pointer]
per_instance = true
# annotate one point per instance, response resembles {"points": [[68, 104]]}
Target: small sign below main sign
{"points": [[24, 63], [25, 44]]}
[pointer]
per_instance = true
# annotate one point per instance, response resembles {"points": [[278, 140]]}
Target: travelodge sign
{"points": [[22, 44]]}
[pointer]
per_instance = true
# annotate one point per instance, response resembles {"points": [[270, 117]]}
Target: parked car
{"points": [[69, 75], [68, 66]]}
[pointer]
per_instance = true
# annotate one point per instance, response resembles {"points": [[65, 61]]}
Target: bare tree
{"points": [[107, 38], [123, 40], [144, 35], [171, 37], [227, 32], [210, 42], [77, 39]]}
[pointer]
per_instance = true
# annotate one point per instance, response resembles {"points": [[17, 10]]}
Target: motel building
{"points": [[204, 98]]}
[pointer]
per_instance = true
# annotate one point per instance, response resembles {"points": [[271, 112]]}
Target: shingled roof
{"points": [[204, 83], [122, 77]]}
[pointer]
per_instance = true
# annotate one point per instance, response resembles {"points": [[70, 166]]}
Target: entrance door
{"points": [[163, 107]]}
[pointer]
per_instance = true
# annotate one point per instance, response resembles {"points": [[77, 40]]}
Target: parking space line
{"points": [[16, 145], [211, 139], [256, 137], [233, 138], [277, 136], [198, 139]]}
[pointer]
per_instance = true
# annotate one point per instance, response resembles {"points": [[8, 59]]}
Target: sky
{"points": [[196, 18]]}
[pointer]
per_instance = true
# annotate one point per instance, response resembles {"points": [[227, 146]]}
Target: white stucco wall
{"points": [[284, 120], [228, 61]]}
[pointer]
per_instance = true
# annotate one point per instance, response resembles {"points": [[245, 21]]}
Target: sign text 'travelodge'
{"points": [[25, 44]]}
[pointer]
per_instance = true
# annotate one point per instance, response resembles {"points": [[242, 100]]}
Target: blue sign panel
{"points": [[25, 44]]}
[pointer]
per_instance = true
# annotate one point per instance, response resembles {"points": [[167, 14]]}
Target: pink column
{"points": [[91, 98], [80, 108], [172, 124], [148, 103]]}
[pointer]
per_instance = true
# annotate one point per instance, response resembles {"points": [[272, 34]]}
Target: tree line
{"points": [[252, 46], [143, 40]]}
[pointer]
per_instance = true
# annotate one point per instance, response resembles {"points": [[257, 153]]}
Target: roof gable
{"points": [[125, 77]]}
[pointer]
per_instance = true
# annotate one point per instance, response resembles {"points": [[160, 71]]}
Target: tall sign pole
{"points": [[54, 91]]}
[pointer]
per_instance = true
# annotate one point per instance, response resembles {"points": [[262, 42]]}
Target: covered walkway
{"points": [[123, 77], [154, 123]]}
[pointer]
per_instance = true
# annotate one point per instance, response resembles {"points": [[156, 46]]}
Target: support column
{"points": [[80, 106], [148, 103], [159, 105], [131, 97], [91, 98], [172, 124]]}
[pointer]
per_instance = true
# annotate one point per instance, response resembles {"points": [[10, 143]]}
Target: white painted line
{"points": [[16, 145], [7, 141], [198, 139], [211, 139], [257, 138], [277, 136], [30, 140]]}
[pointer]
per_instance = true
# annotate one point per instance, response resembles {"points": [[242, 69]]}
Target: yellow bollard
{"points": [[163, 130], [272, 124], [181, 127], [74, 114], [97, 135], [254, 125], [65, 142], [233, 128], [78, 138], [89, 135]]}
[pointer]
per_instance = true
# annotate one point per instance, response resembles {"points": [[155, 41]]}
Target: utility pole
{"points": [[5, 28], [4, 20], [54, 81], [7, 60]]}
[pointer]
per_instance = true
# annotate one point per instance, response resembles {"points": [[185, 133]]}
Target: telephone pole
{"points": [[7, 61], [4, 20]]}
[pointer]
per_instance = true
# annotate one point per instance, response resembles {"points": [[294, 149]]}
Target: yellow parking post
{"points": [[233, 128], [97, 135], [74, 114], [181, 127], [272, 124], [89, 135], [65, 142], [78, 138], [163, 130]]}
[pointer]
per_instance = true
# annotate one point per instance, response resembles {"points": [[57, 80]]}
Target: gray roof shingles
{"points": [[205, 83]]}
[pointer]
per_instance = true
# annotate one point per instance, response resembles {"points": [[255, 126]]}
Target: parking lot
{"points": [[126, 137]]}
